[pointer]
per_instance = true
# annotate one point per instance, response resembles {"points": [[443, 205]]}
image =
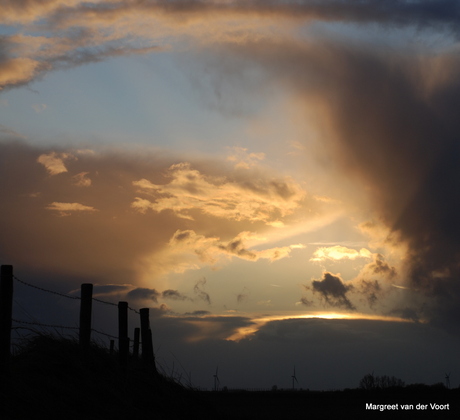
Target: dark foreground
{"points": [[353, 404], [51, 380]]}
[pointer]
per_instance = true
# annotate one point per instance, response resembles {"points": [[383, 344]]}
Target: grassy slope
{"points": [[51, 380]]}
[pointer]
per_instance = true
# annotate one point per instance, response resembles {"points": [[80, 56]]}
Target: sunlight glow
{"points": [[246, 332]]}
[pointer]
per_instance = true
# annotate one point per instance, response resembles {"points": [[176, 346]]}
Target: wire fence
{"points": [[17, 330], [34, 326]]}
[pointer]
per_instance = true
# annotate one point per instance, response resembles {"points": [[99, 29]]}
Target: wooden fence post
{"points": [[137, 332], [6, 310], [146, 335], [123, 340], [85, 315]]}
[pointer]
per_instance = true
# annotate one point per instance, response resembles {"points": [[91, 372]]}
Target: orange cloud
{"points": [[154, 243], [65, 208], [339, 252], [25, 11], [210, 249], [15, 71], [265, 201], [54, 162]]}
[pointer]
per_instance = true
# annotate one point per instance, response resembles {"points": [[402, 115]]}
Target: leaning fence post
{"points": [[146, 335], [6, 310], [123, 340], [85, 314]]}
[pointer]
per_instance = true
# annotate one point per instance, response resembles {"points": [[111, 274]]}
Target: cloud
{"points": [[333, 291], [339, 252], [17, 71], [143, 293], [386, 122], [199, 291], [22, 11], [408, 116], [62, 182], [189, 190], [243, 296], [379, 267], [76, 32], [211, 250], [173, 295], [54, 162], [82, 180], [371, 290], [411, 314], [65, 208], [386, 117], [8, 133], [241, 159], [202, 327]]}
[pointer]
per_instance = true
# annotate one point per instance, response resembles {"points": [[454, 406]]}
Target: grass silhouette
{"points": [[51, 378]]}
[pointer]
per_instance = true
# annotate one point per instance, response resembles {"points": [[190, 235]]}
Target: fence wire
{"points": [[46, 290], [69, 296], [39, 324]]}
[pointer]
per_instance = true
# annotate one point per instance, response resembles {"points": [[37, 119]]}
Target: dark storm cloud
{"points": [[423, 13], [407, 313], [371, 289], [380, 266], [79, 33], [389, 121], [333, 291], [397, 132]]}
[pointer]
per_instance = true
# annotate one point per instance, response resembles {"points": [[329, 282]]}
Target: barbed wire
{"points": [[68, 296], [43, 325], [39, 324], [103, 333], [46, 290], [114, 304]]}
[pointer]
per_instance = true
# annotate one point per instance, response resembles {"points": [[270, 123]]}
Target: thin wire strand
{"points": [[46, 290], [43, 325], [68, 296], [39, 324]]}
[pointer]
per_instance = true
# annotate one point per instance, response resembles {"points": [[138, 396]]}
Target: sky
{"points": [[277, 180]]}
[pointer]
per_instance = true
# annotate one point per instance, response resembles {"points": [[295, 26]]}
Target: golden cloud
{"points": [[339, 252], [54, 162], [17, 70], [82, 180], [264, 201], [211, 249], [68, 207]]}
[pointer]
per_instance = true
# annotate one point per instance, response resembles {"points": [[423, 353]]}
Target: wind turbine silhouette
{"points": [[448, 380], [216, 380], [294, 378]]}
